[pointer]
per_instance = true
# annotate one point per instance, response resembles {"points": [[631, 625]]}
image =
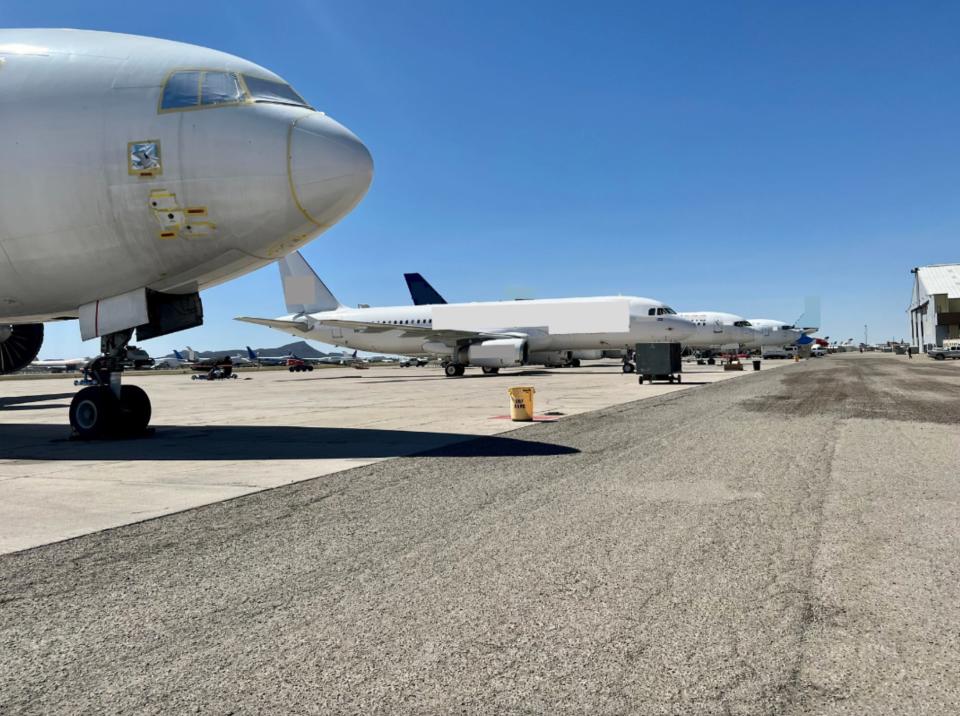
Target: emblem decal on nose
{"points": [[143, 158], [177, 222]]}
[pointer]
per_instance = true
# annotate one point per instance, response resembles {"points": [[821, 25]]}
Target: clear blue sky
{"points": [[728, 156]]}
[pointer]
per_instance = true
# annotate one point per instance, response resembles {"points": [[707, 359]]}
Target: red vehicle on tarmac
{"points": [[298, 365]]}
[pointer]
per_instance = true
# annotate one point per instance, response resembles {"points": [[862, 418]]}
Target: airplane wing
{"points": [[444, 336], [451, 337], [280, 325]]}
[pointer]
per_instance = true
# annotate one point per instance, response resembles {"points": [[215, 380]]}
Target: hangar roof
{"points": [[940, 278]]}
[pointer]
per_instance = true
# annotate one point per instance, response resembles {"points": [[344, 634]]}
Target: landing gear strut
{"points": [[108, 409]]}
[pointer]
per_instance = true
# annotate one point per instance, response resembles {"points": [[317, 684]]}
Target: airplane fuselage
{"points": [[109, 182], [771, 332], [640, 327], [715, 329]]}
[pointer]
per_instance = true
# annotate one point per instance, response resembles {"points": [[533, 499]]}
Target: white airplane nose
{"points": [[330, 168], [678, 329]]}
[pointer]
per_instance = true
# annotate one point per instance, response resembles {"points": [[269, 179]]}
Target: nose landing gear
{"points": [[107, 409]]}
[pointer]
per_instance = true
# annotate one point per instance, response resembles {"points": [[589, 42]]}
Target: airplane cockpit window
{"points": [[181, 90], [652, 312], [262, 90], [787, 328], [742, 324], [662, 311], [220, 88], [189, 89]]}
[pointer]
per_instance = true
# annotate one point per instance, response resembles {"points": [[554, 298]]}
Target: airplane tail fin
{"points": [[809, 320], [303, 290], [422, 293], [177, 355], [251, 354]]}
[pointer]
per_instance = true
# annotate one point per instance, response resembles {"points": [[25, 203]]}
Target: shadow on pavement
{"points": [[248, 442], [25, 402]]}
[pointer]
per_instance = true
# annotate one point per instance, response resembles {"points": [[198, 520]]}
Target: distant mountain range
{"points": [[301, 349]]}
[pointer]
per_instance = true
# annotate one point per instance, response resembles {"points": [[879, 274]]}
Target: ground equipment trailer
{"points": [[658, 361]]}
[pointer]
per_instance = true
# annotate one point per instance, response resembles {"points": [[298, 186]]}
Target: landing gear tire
{"points": [[452, 370], [575, 363], [628, 368], [135, 410], [490, 370], [678, 379], [94, 412]]}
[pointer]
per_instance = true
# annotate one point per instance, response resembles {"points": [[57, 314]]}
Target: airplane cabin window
{"points": [[181, 90], [220, 88], [263, 90]]}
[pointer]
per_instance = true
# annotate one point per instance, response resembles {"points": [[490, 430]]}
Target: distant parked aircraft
{"points": [[175, 361], [255, 357], [60, 365], [490, 335], [714, 330]]}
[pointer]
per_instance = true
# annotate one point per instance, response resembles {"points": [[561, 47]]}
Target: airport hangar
{"points": [[935, 305]]}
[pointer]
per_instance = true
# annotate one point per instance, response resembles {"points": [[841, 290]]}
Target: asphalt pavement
{"points": [[786, 543]]}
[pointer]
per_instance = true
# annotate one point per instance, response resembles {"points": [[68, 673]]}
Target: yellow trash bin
{"points": [[521, 403]]}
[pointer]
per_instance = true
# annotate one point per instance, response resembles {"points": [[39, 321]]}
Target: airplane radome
{"points": [[135, 172]]}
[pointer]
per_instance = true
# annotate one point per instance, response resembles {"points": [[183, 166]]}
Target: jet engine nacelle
{"points": [[497, 353], [551, 358], [19, 345]]}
